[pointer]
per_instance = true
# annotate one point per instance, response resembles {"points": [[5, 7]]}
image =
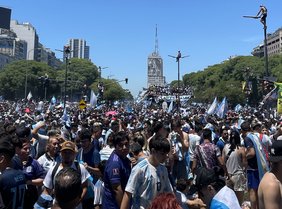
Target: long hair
{"points": [[165, 201], [235, 141]]}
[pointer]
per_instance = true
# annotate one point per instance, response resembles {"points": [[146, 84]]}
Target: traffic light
{"points": [[126, 80]]}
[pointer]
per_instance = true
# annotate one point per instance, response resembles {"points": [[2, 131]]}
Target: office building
{"points": [[27, 32], [78, 49], [274, 45]]}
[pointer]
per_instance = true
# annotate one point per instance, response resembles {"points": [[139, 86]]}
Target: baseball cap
{"points": [[68, 145], [276, 151]]}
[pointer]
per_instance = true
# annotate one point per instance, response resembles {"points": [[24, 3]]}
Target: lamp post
{"points": [[262, 14], [67, 52], [178, 57]]}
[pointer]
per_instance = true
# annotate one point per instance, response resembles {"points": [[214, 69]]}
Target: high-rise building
{"points": [[79, 49], [274, 45], [155, 67], [11, 45], [27, 32]]}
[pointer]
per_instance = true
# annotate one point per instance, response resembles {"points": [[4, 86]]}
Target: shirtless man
{"points": [[262, 14], [270, 188]]}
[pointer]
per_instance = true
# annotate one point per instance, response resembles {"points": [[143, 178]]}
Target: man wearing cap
{"points": [[68, 154], [270, 187]]}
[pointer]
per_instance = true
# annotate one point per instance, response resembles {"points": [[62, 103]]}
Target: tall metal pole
{"points": [[66, 76], [265, 51], [178, 57], [67, 52]]}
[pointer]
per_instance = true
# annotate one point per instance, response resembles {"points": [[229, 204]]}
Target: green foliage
{"points": [[13, 76], [112, 90], [81, 75], [225, 79]]}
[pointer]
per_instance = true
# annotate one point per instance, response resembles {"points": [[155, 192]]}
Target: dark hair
{"points": [[207, 134], [223, 128], [119, 137], [159, 143], [182, 184], [85, 134], [157, 126], [67, 186], [235, 141], [245, 126], [23, 132], [205, 177], [176, 123], [135, 148], [23, 136], [165, 201], [6, 146], [139, 139], [53, 132]]}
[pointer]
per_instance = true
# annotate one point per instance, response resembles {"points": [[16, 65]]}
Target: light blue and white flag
{"points": [[17, 108], [222, 108], [213, 107], [93, 99], [238, 108], [170, 106], [65, 117], [53, 100], [29, 96], [225, 199]]}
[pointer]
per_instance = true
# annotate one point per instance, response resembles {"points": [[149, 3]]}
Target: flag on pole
{"points": [[29, 96], [65, 117], [53, 100], [222, 108], [238, 107], [212, 108], [93, 99], [170, 106]]}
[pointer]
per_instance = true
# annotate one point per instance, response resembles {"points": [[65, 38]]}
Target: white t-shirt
{"points": [[98, 192], [47, 162], [49, 182], [146, 182]]}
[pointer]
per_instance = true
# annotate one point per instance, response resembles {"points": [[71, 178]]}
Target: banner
{"points": [[279, 99]]}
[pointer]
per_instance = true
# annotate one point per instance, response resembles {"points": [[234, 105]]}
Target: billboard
{"points": [[5, 19]]}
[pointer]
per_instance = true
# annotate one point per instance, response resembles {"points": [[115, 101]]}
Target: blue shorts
{"points": [[253, 179]]}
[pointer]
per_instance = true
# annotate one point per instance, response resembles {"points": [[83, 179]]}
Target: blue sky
{"points": [[121, 33]]}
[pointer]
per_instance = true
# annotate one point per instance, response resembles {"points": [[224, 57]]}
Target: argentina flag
{"points": [[222, 108], [225, 199]]}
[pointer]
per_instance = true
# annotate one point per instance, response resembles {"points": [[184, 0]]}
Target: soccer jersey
{"points": [[117, 171], [12, 188], [146, 182]]}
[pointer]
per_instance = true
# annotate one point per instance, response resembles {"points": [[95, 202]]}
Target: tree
{"points": [[13, 79]]}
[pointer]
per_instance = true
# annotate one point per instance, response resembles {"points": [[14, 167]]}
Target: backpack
{"points": [[57, 166]]}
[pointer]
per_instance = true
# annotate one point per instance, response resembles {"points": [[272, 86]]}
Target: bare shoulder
{"points": [[269, 183]]}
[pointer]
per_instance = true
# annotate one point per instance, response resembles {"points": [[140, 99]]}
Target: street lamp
{"points": [[262, 14], [100, 72], [178, 57], [67, 52]]}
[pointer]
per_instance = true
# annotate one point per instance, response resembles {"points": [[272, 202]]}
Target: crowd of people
{"points": [[168, 90], [109, 157]]}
